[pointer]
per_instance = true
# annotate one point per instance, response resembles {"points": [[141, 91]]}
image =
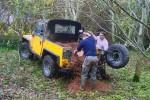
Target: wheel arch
{"points": [[54, 57]]}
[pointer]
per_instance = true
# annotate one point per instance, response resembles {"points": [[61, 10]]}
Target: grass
{"points": [[24, 80]]}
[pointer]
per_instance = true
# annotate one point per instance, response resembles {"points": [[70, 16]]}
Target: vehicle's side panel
{"points": [[36, 45], [54, 49]]}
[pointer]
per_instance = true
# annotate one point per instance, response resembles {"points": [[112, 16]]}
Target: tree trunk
{"points": [[112, 25], [140, 34], [139, 64], [137, 74]]}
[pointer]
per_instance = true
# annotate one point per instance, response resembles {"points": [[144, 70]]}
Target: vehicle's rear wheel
{"points": [[24, 50], [48, 66], [117, 56]]}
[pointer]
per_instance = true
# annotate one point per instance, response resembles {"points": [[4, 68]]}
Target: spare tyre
{"points": [[117, 56]]}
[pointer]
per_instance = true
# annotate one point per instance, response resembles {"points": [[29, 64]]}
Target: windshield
{"points": [[65, 29]]}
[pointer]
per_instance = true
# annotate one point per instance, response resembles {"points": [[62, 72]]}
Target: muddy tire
{"points": [[24, 50], [101, 72], [48, 66], [117, 56]]}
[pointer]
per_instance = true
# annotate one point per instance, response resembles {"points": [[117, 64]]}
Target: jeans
{"points": [[90, 62]]}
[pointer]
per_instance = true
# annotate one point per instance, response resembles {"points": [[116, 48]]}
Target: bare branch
{"points": [[113, 1]]}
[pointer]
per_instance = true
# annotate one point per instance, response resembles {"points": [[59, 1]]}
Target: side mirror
{"points": [[41, 32]]}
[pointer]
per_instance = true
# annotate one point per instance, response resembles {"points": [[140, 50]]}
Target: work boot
{"points": [[82, 85], [93, 84]]}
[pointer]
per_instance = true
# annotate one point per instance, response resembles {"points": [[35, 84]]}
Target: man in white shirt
{"points": [[102, 42], [101, 46]]}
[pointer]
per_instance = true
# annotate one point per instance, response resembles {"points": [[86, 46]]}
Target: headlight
{"points": [[67, 54]]}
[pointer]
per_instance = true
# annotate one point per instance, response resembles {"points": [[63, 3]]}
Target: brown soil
{"points": [[76, 61], [74, 86]]}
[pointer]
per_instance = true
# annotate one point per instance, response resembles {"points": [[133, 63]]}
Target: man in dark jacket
{"points": [[88, 45]]}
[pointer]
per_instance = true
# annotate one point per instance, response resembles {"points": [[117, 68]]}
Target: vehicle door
{"points": [[38, 37]]}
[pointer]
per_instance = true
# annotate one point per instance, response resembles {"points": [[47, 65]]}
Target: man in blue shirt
{"points": [[88, 45]]}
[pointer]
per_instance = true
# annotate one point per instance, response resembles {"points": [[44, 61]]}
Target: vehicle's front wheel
{"points": [[48, 66], [24, 50]]}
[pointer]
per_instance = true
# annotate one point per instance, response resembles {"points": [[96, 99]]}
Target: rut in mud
{"points": [[74, 86]]}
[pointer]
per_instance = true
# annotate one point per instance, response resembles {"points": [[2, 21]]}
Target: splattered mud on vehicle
{"points": [[76, 61]]}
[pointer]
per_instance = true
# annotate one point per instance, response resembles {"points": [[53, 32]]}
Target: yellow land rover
{"points": [[54, 41]]}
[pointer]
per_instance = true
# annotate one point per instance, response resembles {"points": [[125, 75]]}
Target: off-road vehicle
{"points": [[54, 41]]}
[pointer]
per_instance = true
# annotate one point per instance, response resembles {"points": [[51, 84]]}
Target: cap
{"points": [[81, 31], [86, 33]]}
